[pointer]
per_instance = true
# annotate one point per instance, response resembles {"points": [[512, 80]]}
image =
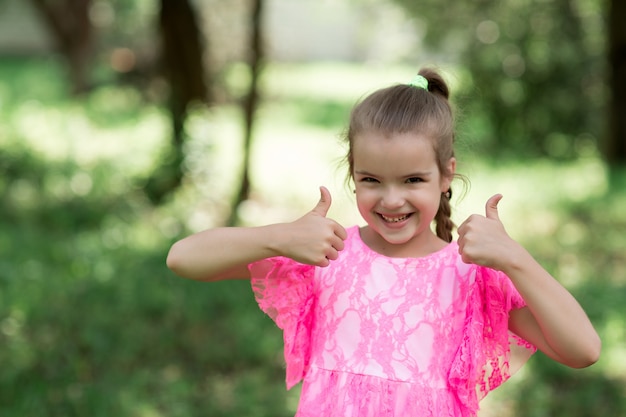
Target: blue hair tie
{"points": [[419, 82]]}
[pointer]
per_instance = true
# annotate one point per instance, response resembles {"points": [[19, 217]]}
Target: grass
{"points": [[91, 321]]}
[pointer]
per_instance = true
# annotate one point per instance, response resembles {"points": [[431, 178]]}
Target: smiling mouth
{"points": [[396, 219]]}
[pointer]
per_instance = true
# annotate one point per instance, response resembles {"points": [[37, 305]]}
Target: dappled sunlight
{"points": [[342, 81], [347, 82], [530, 191], [613, 361], [86, 301], [69, 133]]}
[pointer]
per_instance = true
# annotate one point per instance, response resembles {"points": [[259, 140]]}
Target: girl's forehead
{"points": [[395, 152], [393, 144]]}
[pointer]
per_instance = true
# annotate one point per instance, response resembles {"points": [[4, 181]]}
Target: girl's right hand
{"points": [[313, 239]]}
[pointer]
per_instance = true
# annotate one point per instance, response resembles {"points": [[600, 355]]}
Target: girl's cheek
{"points": [[366, 196]]}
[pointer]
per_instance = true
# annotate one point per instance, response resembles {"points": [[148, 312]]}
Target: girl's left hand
{"points": [[483, 239]]}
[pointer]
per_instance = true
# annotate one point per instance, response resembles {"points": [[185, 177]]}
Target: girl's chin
{"points": [[395, 236]]}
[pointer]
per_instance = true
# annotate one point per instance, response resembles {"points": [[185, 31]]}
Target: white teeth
{"points": [[394, 219]]}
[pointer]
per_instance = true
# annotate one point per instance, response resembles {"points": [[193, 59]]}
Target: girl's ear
{"points": [[452, 166], [448, 176]]}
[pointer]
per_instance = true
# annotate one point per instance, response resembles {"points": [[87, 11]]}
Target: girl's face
{"points": [[398, 190]]}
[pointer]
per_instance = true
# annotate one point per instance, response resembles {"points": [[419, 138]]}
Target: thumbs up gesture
{"points": [[483, 239], [315, 239]]}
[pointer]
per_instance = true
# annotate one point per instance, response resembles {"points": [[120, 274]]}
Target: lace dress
{"points": [[373, 336]]}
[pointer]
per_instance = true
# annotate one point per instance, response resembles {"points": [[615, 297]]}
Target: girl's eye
{"points": [[368, 179], [414, 180]]}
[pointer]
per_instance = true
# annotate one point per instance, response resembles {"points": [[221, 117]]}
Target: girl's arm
{"points": [[552, 320], [224, 253]]}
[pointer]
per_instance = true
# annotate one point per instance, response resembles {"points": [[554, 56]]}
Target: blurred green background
{"points": [[125, 126]]}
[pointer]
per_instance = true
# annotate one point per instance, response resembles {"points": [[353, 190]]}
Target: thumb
{"points": [[491, 208], [324, 204]]}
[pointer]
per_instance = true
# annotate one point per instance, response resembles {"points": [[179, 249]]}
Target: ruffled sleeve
{"points": [[489, 353], [283, 289]]}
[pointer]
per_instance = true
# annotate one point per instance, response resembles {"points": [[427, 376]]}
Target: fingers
{"points": [[322, 207], [332, 253], [323, 263], [491, 208], [338, 243], [324, 204], [341, 234], [335, 242], [482, 237], [491, 212]]}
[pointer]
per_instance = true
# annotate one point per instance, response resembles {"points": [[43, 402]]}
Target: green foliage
{"points": [[591, 259], [534, 71], [91, 321], [552, 391]]}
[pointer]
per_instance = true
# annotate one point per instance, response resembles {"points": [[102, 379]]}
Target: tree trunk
{"points": [[182, 63], [615, 147], [70, 26], [249, 105]]}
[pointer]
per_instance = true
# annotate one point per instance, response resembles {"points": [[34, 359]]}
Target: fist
{"points": [[315, 239], [483, 239]]}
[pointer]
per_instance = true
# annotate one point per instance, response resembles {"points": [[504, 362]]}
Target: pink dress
{"points": [[373, 336]]}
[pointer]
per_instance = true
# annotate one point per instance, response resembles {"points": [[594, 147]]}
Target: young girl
{"points": [[393, 318]]}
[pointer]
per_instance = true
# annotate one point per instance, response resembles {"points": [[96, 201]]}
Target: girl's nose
{"points": [[392, 199]]}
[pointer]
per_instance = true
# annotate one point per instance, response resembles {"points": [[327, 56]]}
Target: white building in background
{"points": [[301, 30], [296, 30], [21, 31]]}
